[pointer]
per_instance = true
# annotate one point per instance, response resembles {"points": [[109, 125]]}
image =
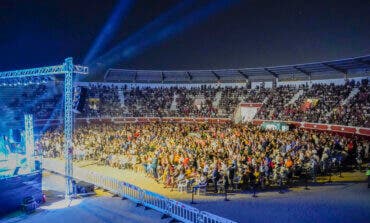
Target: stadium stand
{"points": [[318, 103], [183, 154]]}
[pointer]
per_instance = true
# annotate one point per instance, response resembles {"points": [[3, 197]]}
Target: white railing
{"points": [[183, 212], [168, 207], [211, 218], [155, 201]]}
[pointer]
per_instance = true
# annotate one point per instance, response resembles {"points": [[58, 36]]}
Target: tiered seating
{"points": [[230, 98], [103, 101], [319, 103], [151, 102], [276, 101], [324, 99], [357, 111]]}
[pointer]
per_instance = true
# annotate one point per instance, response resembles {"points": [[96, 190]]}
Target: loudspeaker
{"points": [[81, 103]]}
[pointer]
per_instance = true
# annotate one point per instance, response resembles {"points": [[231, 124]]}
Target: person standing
{"points": [[154, 167], [368, 175], [226, 182], [232, 170], [313, 165], [215, 177]]}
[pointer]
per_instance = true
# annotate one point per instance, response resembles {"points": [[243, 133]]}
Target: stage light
{"points": [[110, 28]]}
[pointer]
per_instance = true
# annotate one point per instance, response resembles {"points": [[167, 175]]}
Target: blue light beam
{"points": [[127, 51], [170, 16], [56, 111], [110, 28]]}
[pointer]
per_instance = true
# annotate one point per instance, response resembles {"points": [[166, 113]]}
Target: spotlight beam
{"points": [[110, 28], [52, 116], [177, 28], [169, 16], [126, 50]]}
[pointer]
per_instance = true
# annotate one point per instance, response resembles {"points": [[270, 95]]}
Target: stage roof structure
{"points": [[350, 67]]}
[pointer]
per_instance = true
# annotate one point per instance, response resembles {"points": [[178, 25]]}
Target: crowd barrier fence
{"points": [[166, 206], [211, 218]]}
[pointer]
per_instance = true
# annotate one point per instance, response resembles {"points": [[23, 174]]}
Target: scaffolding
{"points": [[68, 69], [30, 141]]}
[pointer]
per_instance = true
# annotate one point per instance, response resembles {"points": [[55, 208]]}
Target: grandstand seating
{"points": [[316, 103], [347, 104]]}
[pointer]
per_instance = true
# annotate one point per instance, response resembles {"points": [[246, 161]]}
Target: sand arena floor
{"points": [[347, 199]]}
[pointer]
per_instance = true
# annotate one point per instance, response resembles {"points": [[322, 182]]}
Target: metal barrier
{"points": [[155, 201], [207, 217], [182, 212], [172, 208], [131, 192]]}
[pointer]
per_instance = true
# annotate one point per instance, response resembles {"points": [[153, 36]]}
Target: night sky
{"points": [[248, 34]]}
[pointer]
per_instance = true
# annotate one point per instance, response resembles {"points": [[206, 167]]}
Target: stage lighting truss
{"points": [[43, 75], [15, 82], [39, 74], [30, 143]]}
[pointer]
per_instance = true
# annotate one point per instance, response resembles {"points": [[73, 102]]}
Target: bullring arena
{"points": [[88, 140]]}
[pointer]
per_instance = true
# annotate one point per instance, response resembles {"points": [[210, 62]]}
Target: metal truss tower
{"points": [[68, 69], [30, 141], [68, 123]]}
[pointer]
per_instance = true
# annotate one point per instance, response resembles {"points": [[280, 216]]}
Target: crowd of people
{"points": [[104, 101], [277, 101], [357, 111], [211, 154], [328, 97], [204, 153], [327, 102]]}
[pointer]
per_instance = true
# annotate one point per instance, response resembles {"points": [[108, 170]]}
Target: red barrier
{"points": [[339, 128], [315, 126], [322, 127], [363, 131], [306, 125]]}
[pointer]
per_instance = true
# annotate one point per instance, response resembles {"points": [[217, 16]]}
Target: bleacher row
{"points": [[346, 104]]}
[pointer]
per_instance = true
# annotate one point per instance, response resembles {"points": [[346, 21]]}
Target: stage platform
{"points": [[102, 208]]}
